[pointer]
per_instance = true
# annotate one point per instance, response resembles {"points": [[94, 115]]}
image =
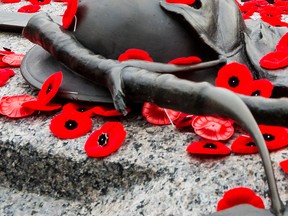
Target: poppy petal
{"points": [[106, 140], [261, 87], [244, 145], [13, 59], [73, 107], [36, 105], [3, 64], [284, 165], [5, 52], [186, 60], [207, 147], [70, 126], [274, 60], [5, 75], [283, 44], [238, 196], [69, 13], [11, 106], [29, 9], [136, 54], [234, 76]]}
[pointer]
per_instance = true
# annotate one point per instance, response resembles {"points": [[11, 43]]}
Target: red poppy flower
{"points": [[10, 1], [73, 107], [69, 13], [284, 9], [70, 125], [234, 76], [261, 87], [186, 60], [275, 60], [244, 145], [283, 44], [280, 2], [13, 59], [3, 64], [183, 120], [107, 111], [136, 54], [271, 15], [238, 196], [213, 128], [207, 147], [106, 140], [40, 2], [29, 9], [46, 94], [188, 2], [11, 106], [247, 10], [5, 75], [284, 165], [157, 115], [276, 137]]}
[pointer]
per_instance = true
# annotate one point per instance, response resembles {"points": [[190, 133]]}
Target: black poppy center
{"points": [[251, 144], [268, 137], [49, 88], [233, 81], [103, 139], [210, 146], [256, 93], [71, 124]]}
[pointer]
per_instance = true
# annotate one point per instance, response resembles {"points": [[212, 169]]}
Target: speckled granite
{"points": [[151, 174]]}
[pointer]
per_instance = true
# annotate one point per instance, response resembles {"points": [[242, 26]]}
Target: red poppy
{"points": [[107, 111], [13, 59], [244, 145], [106, 140], [10, 1], [70, 125], [283, 44], [183, 120], [271, 15], [284, 9], [213, 128], [186, 60], [11, 106], [234, 76], [276, 137], [69, 13], [3, 64], [275, 60], [157, 115], [280, 2], [136, 54], [261, 87], [73, 107], [284, 165], [208, 147], [5, 52], [247, 10], [188, 2], [238, 196], [36, 105], [39, 2], [29, 9], [5, 75]]}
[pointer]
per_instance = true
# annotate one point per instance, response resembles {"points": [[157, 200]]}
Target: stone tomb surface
{"points": [[151, 174]]}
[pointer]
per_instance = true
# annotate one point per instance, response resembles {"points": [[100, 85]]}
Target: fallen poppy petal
{"points": [[39, 2], [234, 76], [186, 60], [69, 13], [157, 115], [36, 105], [105, 140], [29, 9], [208, 147], [70, 125], [188, 2], [261, 87], [274, 60], [283, 44], [238, 196], [13, 59], [213, 128], [135, 54], [284, 165], [73, 107], [11, 106], [107, 111], [244, 145]]}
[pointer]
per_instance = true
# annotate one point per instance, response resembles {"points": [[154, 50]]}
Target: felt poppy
{"points": [[157, 115], [70, 125], [11, 106], [244, 145], [247, 10], [188, 2], [5, 75], [3, 64], [29, 9], [284, 165], [69, 13], [271, 15], [13, 59], [208, 147], [284, 9], [281, 2], [238, 196], [234, 76], [213, 128], [283, 44], [107, 111], [183, 120], [48, 91], [39, 2], [105, 140], [73, 107], [276, 137], [261, 87], [136, 54], [186, 60], [274, 60], [10, 1]]}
